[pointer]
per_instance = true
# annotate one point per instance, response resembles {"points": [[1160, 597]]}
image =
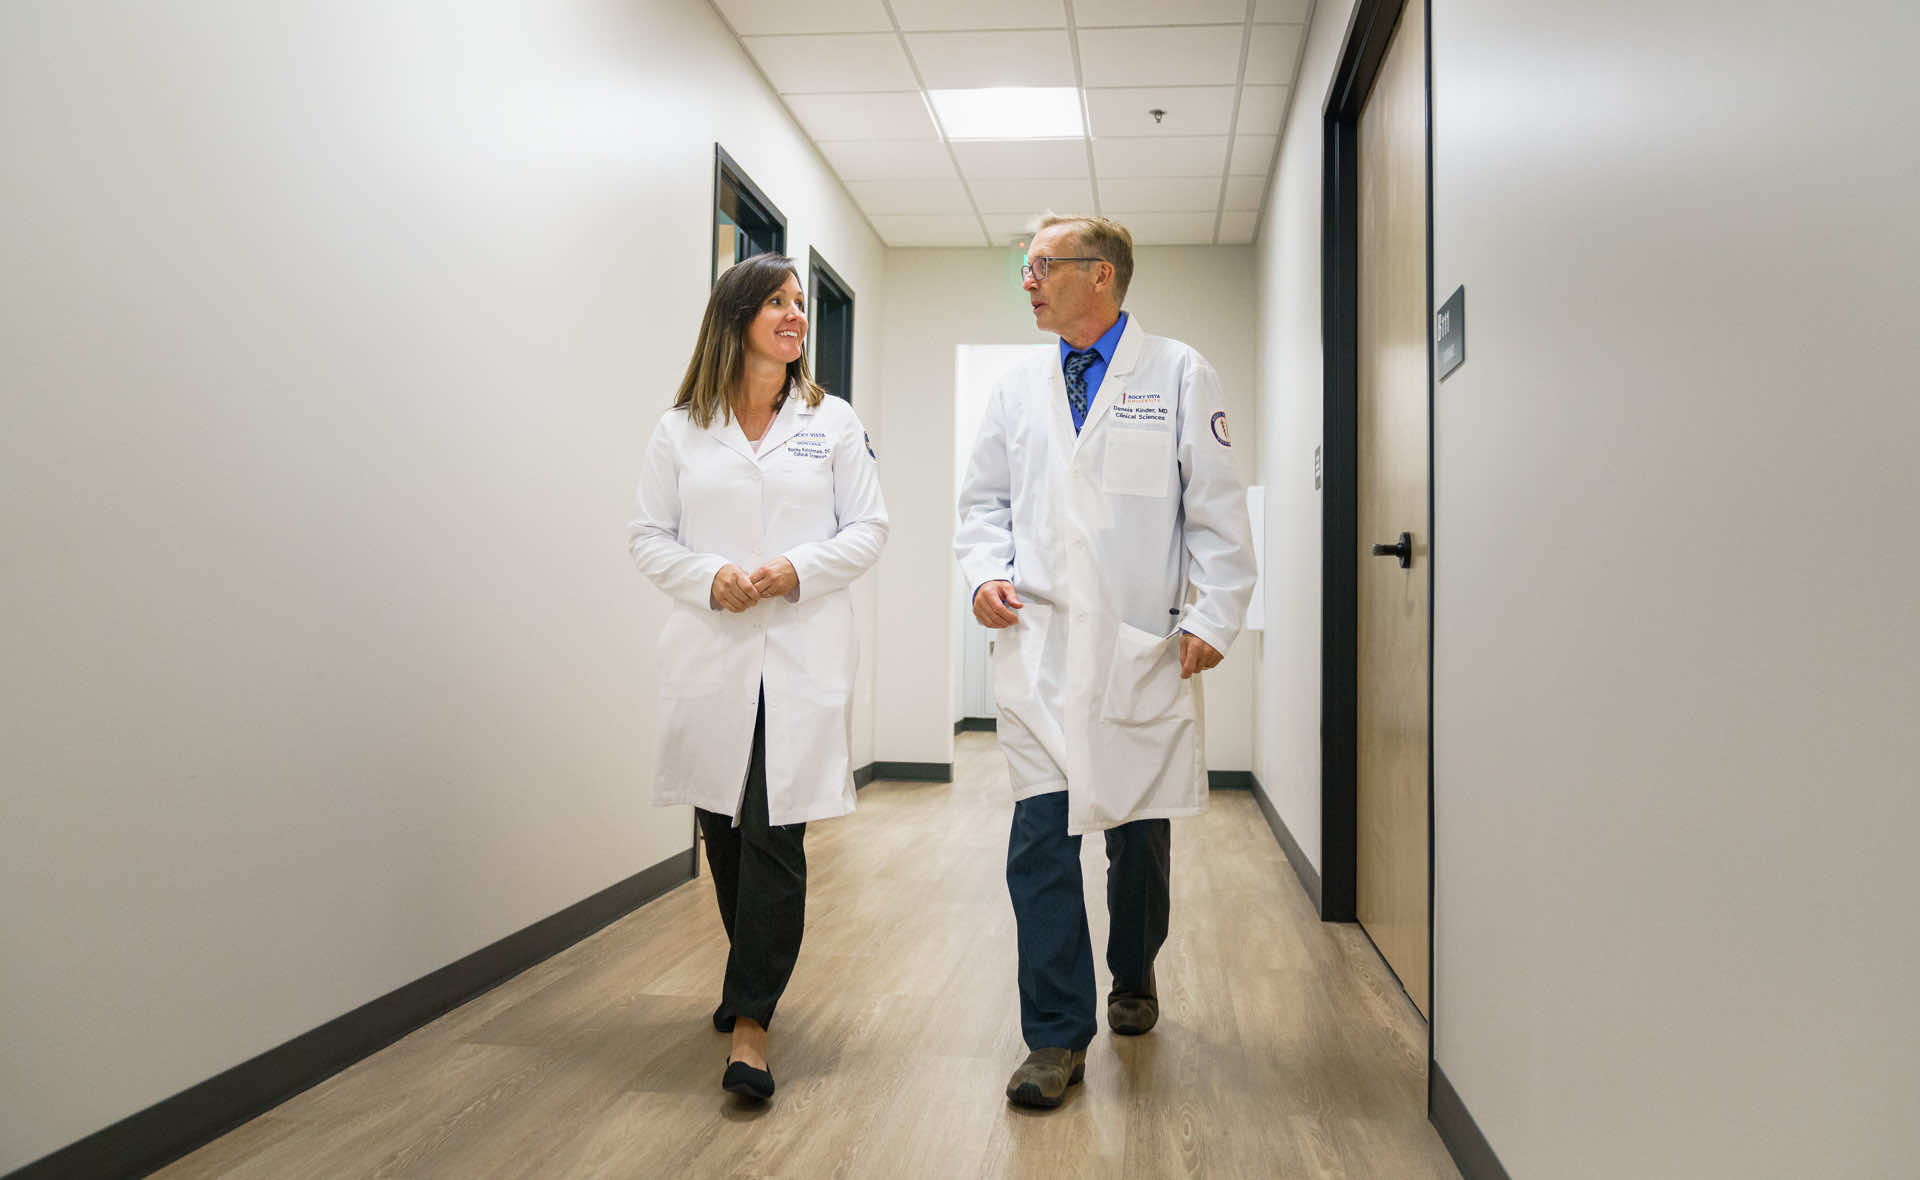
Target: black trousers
{"points": [[1050, 915], [760, 879]]}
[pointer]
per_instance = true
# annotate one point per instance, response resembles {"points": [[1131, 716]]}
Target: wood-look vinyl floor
{"points": [[1284, 1047]]}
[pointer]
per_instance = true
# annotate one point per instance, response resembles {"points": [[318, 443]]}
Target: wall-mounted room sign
{"points": [[1450, 333]]}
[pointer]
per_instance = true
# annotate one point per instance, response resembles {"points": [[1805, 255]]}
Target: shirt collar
{"points": [[1103, 346]]}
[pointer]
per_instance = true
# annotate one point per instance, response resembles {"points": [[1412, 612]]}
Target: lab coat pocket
{"points": [[690, 654], [1143, 681], [830, 647], [1137, 463]]}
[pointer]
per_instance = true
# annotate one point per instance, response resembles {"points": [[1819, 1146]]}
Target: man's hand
{"points": [[733, 589], [994, 604], [776, 579], [1196, 655]]}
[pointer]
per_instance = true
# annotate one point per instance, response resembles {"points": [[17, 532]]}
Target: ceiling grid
{"points": [[1181, 117]]}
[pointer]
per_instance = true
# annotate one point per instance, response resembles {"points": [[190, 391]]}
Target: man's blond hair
{"points": [[1101, 238]]}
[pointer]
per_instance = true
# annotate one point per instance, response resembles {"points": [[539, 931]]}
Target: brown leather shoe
{"points": [[1043, 1078], [1134, 1012]]}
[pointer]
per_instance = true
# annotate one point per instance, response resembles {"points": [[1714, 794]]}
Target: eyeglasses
{"points": [[1037, 269]]}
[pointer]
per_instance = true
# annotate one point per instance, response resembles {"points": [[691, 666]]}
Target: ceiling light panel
{"points": [[1271, 56], [751, 17], [1253, 154], [1206, 55], [1166, 229], [1189, 110], [1162, 195], [928, 230], [973, 61], [1032, 196], [889, 159], [1290, 11], [838, 63], [925, 15], [1261, 109], [1009, 112], [863, 116], [1090, 14], [1044, 159], [1204, 155]]}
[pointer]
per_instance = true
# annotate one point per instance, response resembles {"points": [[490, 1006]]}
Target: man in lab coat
{"points": [[1105, 534]]}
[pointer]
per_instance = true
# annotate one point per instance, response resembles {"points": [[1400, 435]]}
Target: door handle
{"points": [[1402, 549]]}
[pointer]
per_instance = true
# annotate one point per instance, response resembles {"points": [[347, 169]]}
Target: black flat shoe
{"points": [[722, 1019], [746, 1081]]}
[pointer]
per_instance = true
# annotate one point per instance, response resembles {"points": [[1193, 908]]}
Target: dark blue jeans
{"points": [[1056, 951]]}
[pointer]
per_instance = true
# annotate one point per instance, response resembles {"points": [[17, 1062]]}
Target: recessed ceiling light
{"points": [[1010, 112]]}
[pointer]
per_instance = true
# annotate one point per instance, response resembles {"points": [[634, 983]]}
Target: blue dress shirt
{"points": [[1097, 371]]}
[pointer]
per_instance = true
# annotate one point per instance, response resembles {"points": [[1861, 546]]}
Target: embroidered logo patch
{"points": [[1220, 428], [868, 435]]}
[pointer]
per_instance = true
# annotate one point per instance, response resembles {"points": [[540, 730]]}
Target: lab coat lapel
{"points": [[793, 414]]}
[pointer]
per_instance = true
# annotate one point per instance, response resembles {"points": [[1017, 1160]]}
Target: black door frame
{"points": [[1362, 53], [820, 274], [727, 173]]}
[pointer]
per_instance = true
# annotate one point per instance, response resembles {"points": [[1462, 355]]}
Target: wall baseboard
{"points": [[172, 1127], [977, 725], [1471, 1152], [863, 776], [1296, 855], [1229, 780], [915, 772]]}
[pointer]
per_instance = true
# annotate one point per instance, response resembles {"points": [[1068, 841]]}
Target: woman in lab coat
{"points": [[759, 503]]}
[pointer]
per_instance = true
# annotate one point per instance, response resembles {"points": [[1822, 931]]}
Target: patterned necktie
{"points": [[1077, 365]]}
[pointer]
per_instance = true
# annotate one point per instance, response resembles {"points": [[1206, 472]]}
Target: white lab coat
{"points": [[811, 493], [1103, 534]]}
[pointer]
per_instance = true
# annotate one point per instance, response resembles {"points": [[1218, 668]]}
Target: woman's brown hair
{"points": [[720, 355]]}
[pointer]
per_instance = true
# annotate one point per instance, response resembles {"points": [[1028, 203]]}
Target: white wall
{"points": [[330, 337], [940, 299], [1675, 636], [1287, 252]]}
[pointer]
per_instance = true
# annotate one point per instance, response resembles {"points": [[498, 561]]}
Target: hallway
{"points": [[1284, 1049]]}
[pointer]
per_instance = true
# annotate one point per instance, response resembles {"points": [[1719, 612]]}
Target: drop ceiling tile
{"points": [[838, 63], [1032, 196], [1175, 195], [889, 159], [925, 230], [882, 197], [1244, 192], [1167, 229], [1190, 110], [1253, 154], [923, 15], [1261, 110], [1204, 155], [1205, 55], [863, 116], [1236, 227], [1092, 14], [1290, 11], [1005, 227], [751, 17], [965, 61], [1009, 159], [1271, 56]]}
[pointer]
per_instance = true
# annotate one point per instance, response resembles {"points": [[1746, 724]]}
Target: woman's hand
{"points": [[733, 589], [776, 579]]}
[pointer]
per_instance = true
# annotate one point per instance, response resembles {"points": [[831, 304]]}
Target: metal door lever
{"points": [[1403, 550]]}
